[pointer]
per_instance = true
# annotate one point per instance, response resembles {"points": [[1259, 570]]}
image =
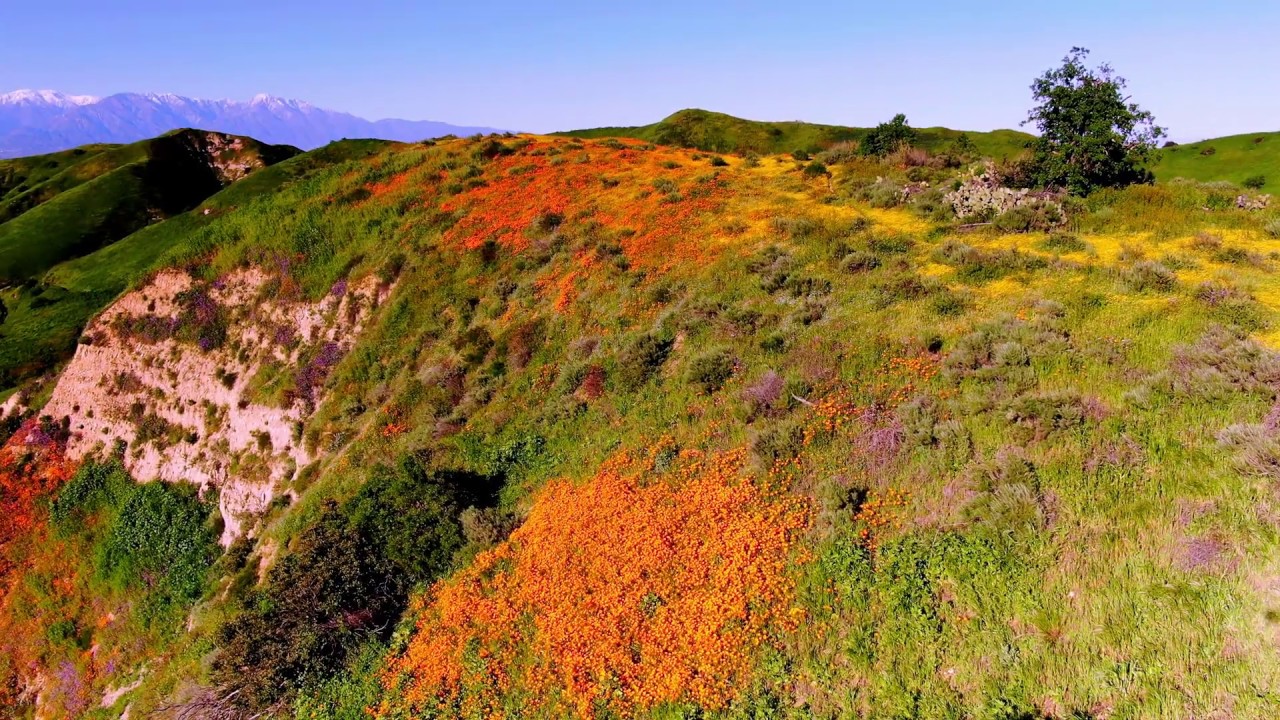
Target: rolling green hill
{"points": [[70, 206], [717, 132], [110, 194], [1234, 158]]}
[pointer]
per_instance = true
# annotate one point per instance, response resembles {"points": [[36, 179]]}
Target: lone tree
{"points": [[887, 137], [1091, 135]]}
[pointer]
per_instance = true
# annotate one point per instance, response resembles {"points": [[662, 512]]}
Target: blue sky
{"points": [[559, 65]]}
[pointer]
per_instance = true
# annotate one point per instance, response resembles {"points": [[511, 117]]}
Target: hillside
{"points": [[59, 208], [1232, 159], [44, 121], [717, 132], [551, 427]]}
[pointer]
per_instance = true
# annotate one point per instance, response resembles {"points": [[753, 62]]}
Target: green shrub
{"points": [[1059, 242], [903, 287], [1220, 364], [161, 540], [1031, 216], [800, 155], [888, 137], [978, 265], [710, 371], [948, 304], [883, 193], [1008, 499], [1146, 275], [344, 582], [890, 244], [815, 169], [641, 360], [717, 161], [859, 261], [94, 487], [1255, 182]]}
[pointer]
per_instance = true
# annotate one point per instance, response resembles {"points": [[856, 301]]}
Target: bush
{"points": [[1272, 228], [890, 244], [1147, 275], [763, 395], [842, 152], [883, 193], [948, 304], [1231, 305], [859, 261], [888, 137], [815, 169], [1037, 215], [1008, 498], [344, 582], [901, 288], [717, 161], [1255, 182], [800, 156], [710, 371], [94, 487], [1222, 362], [160, 541], [641, 360], [1046, 412], [977, 265], [1063, 243]]}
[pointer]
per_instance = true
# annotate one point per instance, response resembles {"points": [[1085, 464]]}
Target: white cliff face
{"points": [[185, 412]]}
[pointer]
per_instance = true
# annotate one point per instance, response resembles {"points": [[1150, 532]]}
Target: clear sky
{"points": [[542, 66]]}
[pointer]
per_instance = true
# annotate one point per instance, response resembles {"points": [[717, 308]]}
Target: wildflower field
{"points": [[650, 432]]}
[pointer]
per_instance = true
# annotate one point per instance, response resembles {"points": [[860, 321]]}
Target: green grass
{"points": [[717, 132], [1234, 158], [21, 175], [114, 267]]}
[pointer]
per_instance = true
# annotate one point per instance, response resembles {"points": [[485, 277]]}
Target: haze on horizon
{"points": [[1203, 72]]}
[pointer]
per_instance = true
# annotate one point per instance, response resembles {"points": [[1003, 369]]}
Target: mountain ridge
{"points": [[34, 122]]}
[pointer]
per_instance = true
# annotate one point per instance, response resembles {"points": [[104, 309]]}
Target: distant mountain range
{"points": [[42, 121]]}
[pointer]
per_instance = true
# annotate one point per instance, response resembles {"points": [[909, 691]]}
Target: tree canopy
{"points": [[888, 136], [1091, 134]]}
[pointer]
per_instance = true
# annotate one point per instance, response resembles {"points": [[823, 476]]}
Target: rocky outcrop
{"points": [[208, 383]]}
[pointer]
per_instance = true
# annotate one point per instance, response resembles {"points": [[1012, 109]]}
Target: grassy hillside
{"points": [[639, 433], [28, 181], [1234, 159], [109, 195], [717, 132], [70, 206]]}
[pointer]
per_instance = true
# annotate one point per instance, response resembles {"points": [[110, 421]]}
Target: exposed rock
{"points": [[183, 408]]}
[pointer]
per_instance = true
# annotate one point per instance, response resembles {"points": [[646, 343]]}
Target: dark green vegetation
{"points": [[1091, 135], [143, 551], [717, 132], [344, 582]]}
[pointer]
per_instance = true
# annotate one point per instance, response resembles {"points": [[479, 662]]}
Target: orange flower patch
{"points": [[658, 212], [389, 186], [880, 512], [32, 467], [615, 595]]}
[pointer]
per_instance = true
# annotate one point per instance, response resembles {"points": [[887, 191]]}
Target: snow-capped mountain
{"points": [[41, 121]]}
